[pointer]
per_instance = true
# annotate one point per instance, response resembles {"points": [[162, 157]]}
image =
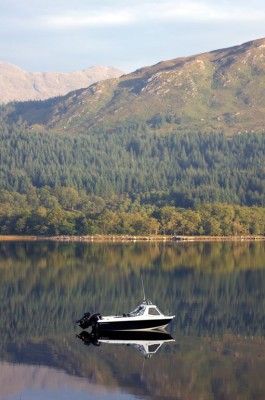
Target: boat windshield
{"points": [[154, 311], [138, 311]]}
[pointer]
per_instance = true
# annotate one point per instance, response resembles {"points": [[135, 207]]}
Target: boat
{"points": [[147, 342], [146, 316]]}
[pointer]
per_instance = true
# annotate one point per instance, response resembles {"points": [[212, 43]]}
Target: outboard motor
{"points": [[83, 321], [88, 320]]}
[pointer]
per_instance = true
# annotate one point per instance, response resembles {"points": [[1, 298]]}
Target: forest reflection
{"points": [[211, 287], [209, 256], [216, 291]]}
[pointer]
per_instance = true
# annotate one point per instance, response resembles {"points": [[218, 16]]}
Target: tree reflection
{"points": [[216, 291], [211, 287]]}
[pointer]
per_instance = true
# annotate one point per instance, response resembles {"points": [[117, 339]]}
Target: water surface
{"points": [[216, 291]]}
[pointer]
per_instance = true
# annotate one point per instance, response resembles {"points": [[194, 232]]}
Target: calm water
{"points": [[216, 291]]}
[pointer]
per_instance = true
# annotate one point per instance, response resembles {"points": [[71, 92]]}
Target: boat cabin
{"points": [[145, 309]]}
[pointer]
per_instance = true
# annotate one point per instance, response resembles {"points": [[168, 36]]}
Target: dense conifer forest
{"points": [[130, 180]]}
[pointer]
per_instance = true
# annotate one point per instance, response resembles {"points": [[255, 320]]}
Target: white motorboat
{"points": [[146, 316]]}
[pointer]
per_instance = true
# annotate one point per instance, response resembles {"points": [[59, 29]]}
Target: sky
{"points": [[70, 35]]}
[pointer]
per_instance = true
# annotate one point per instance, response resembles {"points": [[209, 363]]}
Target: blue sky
{"points": [[64, 35]]}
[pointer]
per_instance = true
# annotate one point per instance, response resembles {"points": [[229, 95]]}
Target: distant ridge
{"points": [[222, 91], [19, 85]]}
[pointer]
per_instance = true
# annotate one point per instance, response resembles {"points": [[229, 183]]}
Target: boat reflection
{"points": [[147, 342]]}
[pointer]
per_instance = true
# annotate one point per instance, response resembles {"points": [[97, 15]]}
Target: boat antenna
{"points": [[143, 287], [146, 301]]}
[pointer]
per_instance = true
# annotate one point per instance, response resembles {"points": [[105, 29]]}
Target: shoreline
{"points": [[130, 238]]}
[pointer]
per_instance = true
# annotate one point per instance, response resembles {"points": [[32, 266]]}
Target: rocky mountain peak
{"points": [[19, 85]]}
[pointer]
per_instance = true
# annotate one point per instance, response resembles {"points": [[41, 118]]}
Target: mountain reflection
{"points": [[41, 382], [147, 342]]}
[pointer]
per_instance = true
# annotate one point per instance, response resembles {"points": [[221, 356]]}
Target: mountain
{"points": [[19, 85], [222, 90]]}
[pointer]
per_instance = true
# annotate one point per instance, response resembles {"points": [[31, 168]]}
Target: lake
{"points": [[215, 347]]}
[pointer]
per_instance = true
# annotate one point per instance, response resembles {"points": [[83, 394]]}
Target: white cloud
{"points": [[200, 11], [91, 19], [148, 11]]}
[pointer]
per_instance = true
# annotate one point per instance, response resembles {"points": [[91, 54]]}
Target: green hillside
{"points": [[222, 90]]}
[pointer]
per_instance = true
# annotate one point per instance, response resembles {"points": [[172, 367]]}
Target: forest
{"points": [[130, 180]]}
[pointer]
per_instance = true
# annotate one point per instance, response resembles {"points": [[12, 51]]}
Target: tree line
{"points": [[66, 211]]}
